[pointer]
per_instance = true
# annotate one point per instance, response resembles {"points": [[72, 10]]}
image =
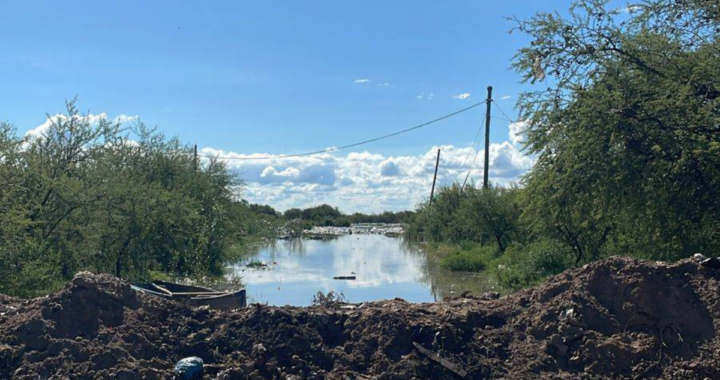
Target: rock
{"points": [[570, 333], [189, 368], [259, 351], [556, 346]]}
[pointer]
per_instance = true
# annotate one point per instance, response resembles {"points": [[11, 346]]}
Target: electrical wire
{"points": [[474, 152], [507, 118], [477, 151], [335, 149]]}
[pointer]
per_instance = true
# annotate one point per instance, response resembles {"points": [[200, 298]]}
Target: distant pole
{"points": [[195, 156], [437, 163], [487, 139]]}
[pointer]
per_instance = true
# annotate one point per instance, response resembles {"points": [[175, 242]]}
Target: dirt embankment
{"points": [[619, 318]]}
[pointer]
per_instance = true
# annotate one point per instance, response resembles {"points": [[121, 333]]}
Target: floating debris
{"points": [[389, 230]]}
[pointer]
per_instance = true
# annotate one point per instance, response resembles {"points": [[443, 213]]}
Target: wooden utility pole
{"points": [[486, 165], [195, 156], [437, 163]]}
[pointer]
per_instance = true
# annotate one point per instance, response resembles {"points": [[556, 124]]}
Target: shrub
{"points": [[468, 257], [526, 265]]}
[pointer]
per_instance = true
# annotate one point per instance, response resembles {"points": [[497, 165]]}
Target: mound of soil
{"points": [[618, 318]]}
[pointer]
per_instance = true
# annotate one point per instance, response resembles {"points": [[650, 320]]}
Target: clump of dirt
{"points": [[618, 318]]}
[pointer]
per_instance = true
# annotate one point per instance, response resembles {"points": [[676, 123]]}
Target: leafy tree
{"points": [[84, 195], [486, 216], [293, 213], [496, 212], [626, 131]]}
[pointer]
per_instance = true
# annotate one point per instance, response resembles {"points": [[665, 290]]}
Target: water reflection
{"points": [[384, 268]]}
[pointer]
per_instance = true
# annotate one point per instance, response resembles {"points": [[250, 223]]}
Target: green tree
{"points": [[626, 128], [84, 195]]}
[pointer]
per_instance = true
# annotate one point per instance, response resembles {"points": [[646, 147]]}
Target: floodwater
{"points": [[384, 268]]}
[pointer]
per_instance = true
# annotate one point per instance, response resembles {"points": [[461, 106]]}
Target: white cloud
{"points": [[364, 181], [518, 132], [506, 97], [462, 96], [385, 84], [362, 80], [423, 96], [631, 9], [93, 119], [389, 168]]}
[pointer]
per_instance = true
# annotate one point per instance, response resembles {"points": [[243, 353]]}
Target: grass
{"points": [[162, 276], [465, 258], [520, 266]]}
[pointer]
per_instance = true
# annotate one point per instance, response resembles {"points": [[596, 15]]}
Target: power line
{"points": [[477, 151], [507, 118], [504, 119], [353, 144], [474, 152]]}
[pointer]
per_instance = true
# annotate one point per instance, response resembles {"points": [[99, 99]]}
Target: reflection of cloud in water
{"points": [[384, 267], [375, 260]]}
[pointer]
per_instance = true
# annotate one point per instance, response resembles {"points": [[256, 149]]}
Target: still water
{"points": [[384, 268]]}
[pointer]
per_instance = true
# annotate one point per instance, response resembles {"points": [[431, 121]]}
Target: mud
{"points": [[616, 319]]}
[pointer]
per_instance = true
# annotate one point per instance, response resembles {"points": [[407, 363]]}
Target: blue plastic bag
{"points": [[189, 368]]}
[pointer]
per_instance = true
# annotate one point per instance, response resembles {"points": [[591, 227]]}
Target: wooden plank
{"points": [[454, 368]]}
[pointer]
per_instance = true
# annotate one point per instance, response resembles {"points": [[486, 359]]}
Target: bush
{"points": [[468, 257], [526, 265]]}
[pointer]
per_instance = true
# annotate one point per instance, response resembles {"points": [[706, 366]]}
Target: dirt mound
{"points": [[619, 318]]}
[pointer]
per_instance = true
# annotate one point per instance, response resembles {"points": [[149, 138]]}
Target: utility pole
{"points": [[437, 163], [487, 139], [195, 157]]}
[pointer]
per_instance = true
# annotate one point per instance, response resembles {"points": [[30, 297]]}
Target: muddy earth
{"points": [[616, 319]]}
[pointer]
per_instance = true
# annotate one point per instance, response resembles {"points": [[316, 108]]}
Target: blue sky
{"points": [[280, 78]]}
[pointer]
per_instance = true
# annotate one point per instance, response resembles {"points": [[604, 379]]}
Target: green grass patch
{"points": [[467, 257]]}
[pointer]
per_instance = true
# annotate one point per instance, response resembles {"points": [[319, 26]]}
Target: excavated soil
{"points": [[615, 319]]}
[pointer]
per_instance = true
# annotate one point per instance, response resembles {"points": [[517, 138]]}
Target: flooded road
{"points": [[384, 268]]}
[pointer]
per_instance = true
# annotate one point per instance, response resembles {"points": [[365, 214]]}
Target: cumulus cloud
{"points": [[362, 80], [365, 181], [517, 132], [462, 96], [93, 119], [389, 168]]}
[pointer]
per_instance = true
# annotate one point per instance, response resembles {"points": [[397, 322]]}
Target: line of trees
{"points": [[326, 215], [626, 133]]}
